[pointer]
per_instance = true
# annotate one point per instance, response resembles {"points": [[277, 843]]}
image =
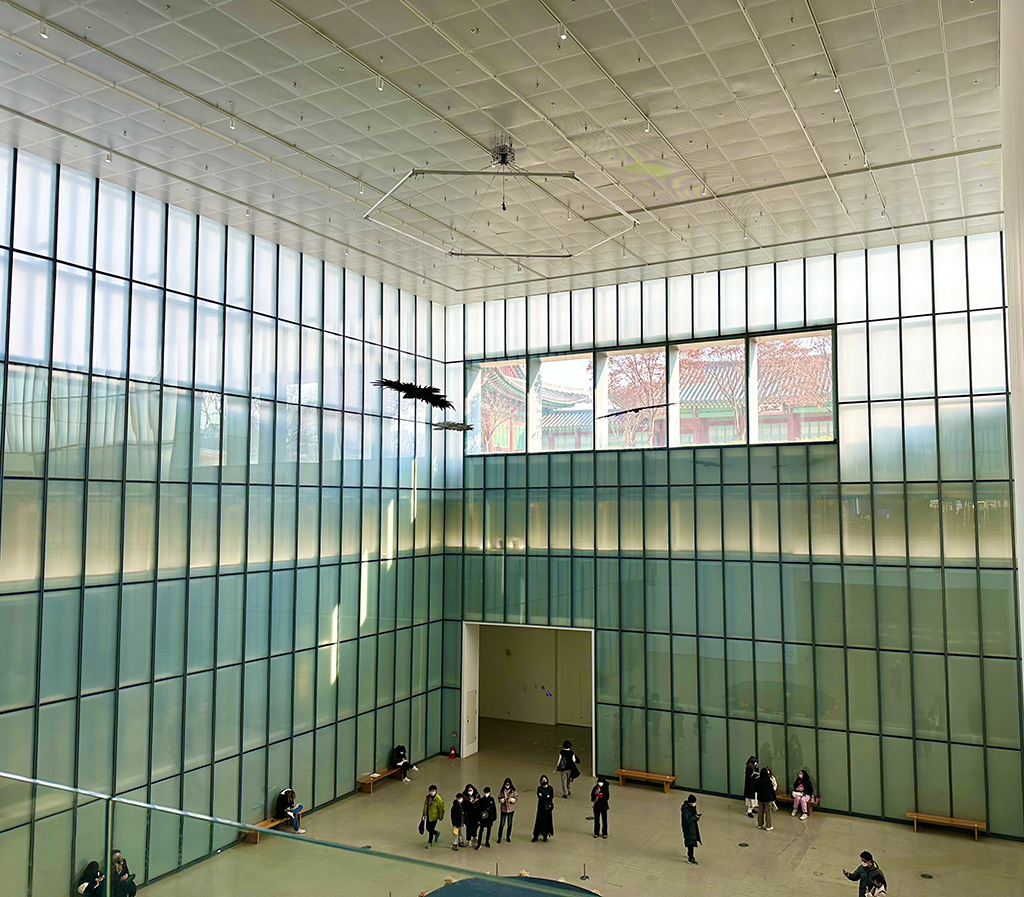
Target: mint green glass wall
{"points": [[847, 607], [220, 567]]}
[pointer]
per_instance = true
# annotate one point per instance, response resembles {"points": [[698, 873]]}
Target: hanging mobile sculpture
{"points": [[452, 425], [429, 394], [632, 410]]}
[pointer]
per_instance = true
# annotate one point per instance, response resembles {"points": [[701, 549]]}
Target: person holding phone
{"points": [[691, 827], [91, 880], [124, 878], [864, 873]]}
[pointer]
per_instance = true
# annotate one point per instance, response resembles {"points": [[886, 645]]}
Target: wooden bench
{"points": [[253, 837], [948, 821], [366, 783], [666, 781], [788, 799]]}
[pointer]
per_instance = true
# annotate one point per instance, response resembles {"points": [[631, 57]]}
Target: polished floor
{"points": [[642, 856]]}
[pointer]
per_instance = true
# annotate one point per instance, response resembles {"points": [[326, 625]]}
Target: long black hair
{"points": [[544, 780], [508, 782], [751, 764], [470, 787], [91, 871], [808, 784]]}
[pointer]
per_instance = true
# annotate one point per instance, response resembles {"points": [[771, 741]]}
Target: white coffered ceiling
{"points": [[717, 123]]}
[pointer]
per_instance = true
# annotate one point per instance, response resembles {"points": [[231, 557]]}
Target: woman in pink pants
{"points": [[803, 791]]}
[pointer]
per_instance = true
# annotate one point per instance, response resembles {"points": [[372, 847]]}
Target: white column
{"points": [[1011, 97]]}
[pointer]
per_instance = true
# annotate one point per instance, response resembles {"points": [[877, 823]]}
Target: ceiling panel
{"points": [[719, 125]]}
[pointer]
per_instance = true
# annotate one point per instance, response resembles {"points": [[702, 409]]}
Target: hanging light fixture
{"points": [[380, 82], [110, 156], [647, 128], [44, 32], [231, 123], [562, 34]]}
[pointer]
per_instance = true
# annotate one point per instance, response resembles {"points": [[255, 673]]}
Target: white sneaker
{"points": [[415, 769], [770, 828], [803, 815], [301, 831], [794, 812]]}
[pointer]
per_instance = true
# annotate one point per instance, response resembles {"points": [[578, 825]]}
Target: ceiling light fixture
{"points": [[836, 88], [647, 128], [43, 31], [110, 156], [380, 82], [247, 213], [231, 123], [360, 189], [865, 160], [703, 191], [562, 34]]}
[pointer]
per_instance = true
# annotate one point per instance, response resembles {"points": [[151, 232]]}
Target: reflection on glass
{"points": [[496, 407], [791, 381], [628, 385], [561, 404], [712, 399]]}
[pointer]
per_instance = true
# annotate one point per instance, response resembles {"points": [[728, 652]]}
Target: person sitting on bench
{"points": [[400, 760], [286, 809]]}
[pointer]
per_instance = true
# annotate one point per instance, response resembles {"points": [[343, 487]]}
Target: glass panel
{"points": [[36, 181], [496, 407], [712, 393], [630, 399], [791, 379], [560, 407], [75, 217]]}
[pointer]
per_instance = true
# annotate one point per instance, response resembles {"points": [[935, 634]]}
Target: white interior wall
{"points": [[519, 666]]}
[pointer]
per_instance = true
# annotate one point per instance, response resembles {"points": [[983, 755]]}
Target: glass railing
{"points": [[50, 834]]}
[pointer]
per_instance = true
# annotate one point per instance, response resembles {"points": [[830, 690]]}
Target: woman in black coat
{"points": [[91, 880], [544, 827], [765, 798], [750, 786], [689, 818], [470, 797]]}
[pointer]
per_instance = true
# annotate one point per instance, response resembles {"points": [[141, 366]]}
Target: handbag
{"points": [[421, 826], [549, 805]]}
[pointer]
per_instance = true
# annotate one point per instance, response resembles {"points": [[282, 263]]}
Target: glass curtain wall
{"points": [[846, 605], [219, 546]]}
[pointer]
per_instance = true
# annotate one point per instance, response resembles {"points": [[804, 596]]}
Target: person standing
{"points": [[469, 798], [864, 873], [458, 823], [766, 786], [690, 819], [507, 802], [433, 813], [544, 827], [599, 795], [287, 809], [486, 813], [803, 791], [750, 774], [567, 767]]}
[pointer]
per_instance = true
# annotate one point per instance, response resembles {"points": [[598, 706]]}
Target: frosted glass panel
{"points": [[733, 285], [949, 258], [653, 310], [34, 204], [705, 304], [558, 321], [951, 347], [761, 311], [679, 307], [883, 283], [853, 357], [605, 316], [515, 325], [985, 270], [885, 360], [851, 287], [789, 291], [75, 217], [915, 279], [821, 286], [537, 319], [918, 357], [988, 358]]}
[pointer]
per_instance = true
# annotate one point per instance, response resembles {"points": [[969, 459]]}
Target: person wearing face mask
{"points": [[458, 823], [486, 813], [544, 827], [507, 801], [876, 884], [750, 775], [433, 813], [470, 798], [691, 828], [864, 873], [599, 798]]}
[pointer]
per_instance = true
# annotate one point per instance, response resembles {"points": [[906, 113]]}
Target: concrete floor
{"points": [[643, 855]]}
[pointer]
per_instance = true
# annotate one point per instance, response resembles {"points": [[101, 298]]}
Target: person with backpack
{"points": [[433, 813], [599, 798], [486, 813], [690, 819], [567, 767], [864, 873]]}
